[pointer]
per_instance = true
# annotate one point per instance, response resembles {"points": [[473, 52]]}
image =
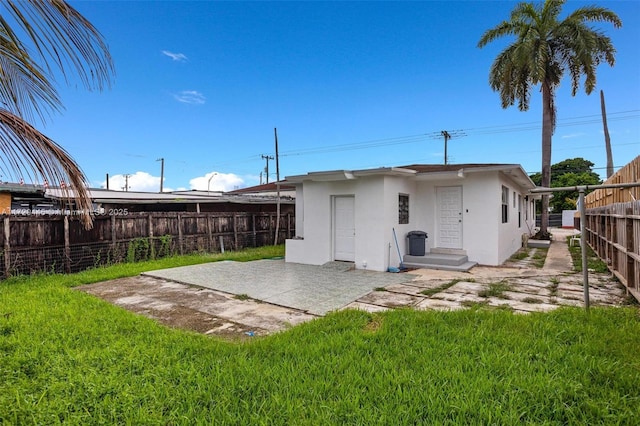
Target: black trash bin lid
{"points": [[417, 234]]}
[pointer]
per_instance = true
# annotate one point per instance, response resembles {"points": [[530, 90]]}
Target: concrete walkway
{"points": [[558, 256], [520, 289]]}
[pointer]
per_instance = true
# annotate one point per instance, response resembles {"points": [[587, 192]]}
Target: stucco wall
{"points": [[316, 247], [393, 187], [510, 235], [5, 203], [481, 214]]}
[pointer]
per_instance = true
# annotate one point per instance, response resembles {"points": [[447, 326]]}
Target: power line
{"points": [[487, 130], [423, 137]]}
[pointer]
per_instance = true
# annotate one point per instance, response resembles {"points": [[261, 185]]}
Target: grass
{"points": [[521, 254], [131, 269], [68, 357], [594, 263], [539, 257], [496, 290], [438, 289]]}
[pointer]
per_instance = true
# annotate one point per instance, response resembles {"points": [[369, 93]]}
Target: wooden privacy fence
{"points": [[607, 196], [612, 225], [613, 232], [60, 244]]}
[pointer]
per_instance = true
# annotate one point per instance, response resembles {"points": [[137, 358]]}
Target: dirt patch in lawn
{"points": [[197, 309]]}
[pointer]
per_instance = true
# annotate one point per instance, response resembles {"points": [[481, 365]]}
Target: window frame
{"points": [[403, 209], [505, 204]]}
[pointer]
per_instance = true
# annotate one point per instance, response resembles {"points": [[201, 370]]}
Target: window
{"points": [[505, 204], [403, 209], [519, 210]]}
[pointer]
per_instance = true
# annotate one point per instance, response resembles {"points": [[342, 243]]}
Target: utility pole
{"points": [[607, 140], [447, 135], [126, 182], [266, 169], [275, 242], [161, 172]]}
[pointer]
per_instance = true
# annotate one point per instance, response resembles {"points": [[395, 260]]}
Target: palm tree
{"points": [[39, 40], [545, 48]]}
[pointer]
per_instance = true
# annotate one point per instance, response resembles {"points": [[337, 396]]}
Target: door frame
{"points": [[334, 228], [439, 217]]}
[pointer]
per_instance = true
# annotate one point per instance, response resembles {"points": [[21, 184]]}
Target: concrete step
{"points": [[437, 259], [465, 267], [538, 244]]}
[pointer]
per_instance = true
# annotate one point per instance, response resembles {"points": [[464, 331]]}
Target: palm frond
{"points": [[40, 39], [24, 87], [28, 154], [63, 36]]}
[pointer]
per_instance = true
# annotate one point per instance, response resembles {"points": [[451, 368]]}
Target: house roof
{"points": [[421, 172]]}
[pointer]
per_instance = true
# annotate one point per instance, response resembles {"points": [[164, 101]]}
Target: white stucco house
{"points": [[480, 211]]}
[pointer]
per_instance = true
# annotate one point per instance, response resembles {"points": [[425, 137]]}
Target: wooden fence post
{"points": [[235, 231], [209, 233], [152, 249], [113, 231], [180, 245], [271, 227], [253, 229], [67, 246], [7, 247]]}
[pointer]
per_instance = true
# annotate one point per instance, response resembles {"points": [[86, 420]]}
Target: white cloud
{"points": [[214, 181], [139, 181], [190, 97], [179, 57], [572, 135]]}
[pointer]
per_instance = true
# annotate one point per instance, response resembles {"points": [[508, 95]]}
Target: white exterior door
{"points": [[344, 229], [449, 200]]}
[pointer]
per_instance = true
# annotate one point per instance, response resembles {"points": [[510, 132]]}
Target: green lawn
{"points": [[68, 357]]}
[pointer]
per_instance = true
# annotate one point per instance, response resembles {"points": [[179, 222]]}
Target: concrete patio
{"points": [[262, 297]]}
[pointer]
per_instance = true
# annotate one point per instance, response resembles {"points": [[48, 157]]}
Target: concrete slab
{"points": [[309, 288], [537, 289], [390, 299], [439, 305], [410, 289], [199, 309], [366, 307], [524, 307]]}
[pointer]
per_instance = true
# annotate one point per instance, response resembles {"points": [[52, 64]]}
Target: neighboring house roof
{"points": [[264, 188], [133, 197], [21, 188], [420, 172]]}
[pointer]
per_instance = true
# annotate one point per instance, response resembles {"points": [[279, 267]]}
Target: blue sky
{"points": [[348, 85]]}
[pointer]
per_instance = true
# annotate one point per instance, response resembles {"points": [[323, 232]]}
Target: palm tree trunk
{"points": [[607, 140], [547, 132]]}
